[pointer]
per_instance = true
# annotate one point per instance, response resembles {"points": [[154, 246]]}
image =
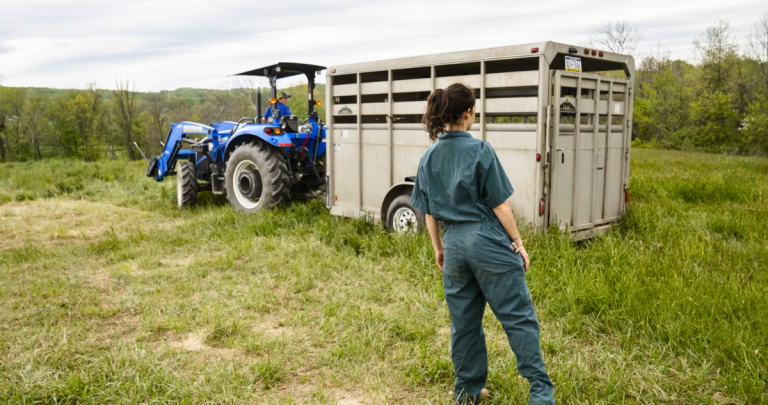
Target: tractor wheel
{"points": [[403, 217], [257, 178], [186, 185]]}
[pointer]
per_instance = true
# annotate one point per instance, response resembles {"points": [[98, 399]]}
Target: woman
{"points": [[461, 182]]}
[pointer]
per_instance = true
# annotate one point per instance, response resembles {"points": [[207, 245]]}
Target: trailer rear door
{"points": [[589, 149]]}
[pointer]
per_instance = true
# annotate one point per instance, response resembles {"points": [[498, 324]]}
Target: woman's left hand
{"points": [[526, 260]]}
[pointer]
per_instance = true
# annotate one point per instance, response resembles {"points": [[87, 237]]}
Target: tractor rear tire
{"points": [[402, 217], [186, 185], [321, 171], [257, 178]]}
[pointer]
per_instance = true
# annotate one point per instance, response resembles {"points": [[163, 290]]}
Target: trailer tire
{"points": [[257, 178], [186, 185], [403, 217]]}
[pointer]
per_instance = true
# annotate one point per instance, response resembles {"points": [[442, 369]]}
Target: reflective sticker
{"points": [[343, 134], [572, 64], [194, 128], [336, 147], [617, 108]]}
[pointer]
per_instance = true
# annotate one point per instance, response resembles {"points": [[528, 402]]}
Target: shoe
{"points": [[484, 394]]}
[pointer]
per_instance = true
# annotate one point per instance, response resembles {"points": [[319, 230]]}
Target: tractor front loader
{"points": [[258, 166]]}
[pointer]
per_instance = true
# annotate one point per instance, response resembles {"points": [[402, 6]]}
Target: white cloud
{"points": [[169, 44]]}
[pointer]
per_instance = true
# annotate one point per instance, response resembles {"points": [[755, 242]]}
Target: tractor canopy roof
{"points": [[284, 69]]}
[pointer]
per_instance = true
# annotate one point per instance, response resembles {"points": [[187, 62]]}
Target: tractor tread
{"points": [[274, 170], [187, 185]]}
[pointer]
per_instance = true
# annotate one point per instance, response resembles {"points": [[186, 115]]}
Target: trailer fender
{"points": [[394, 192]]}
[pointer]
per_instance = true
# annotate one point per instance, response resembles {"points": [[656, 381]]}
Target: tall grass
{"points": [[298, 306]]}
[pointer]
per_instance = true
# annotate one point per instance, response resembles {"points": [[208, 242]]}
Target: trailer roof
{"points": [[283, 69], [549, 50]]}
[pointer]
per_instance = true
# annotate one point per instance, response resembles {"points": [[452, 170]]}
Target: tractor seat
{"points": [[290, 123]]}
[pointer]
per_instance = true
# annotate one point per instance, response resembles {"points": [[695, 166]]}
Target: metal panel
{"points": [[512, 79], [410, 137], [374, 87], [409, 107], [345, 90], [359, 151], [375, 181], [345, 166], [345, 109], [374, 108], [482, 103], [513, 140], [511, 105], [518, 165], [586, 176], [412, 85], [473, 81], [406, 160]]}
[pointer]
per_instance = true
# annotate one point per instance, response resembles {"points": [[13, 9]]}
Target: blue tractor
{"points": [[257, 165]]}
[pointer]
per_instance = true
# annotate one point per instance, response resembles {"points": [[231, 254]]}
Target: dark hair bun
{"points": [[445, 107]]}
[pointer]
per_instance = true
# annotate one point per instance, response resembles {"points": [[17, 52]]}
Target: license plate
{"points": [[573, 64]]}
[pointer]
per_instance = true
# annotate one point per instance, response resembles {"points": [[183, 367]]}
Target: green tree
{"points": [[717, 54], [126, 107], [754, 128], [714, 125]]}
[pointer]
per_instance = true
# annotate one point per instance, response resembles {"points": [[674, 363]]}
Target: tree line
{"points": [[716, 103], [93, 124]]}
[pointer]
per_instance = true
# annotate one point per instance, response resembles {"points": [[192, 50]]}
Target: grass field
{"points": [[108, 294]]}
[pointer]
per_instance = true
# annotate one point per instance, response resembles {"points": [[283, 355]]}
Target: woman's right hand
{"points": [[439, 254], [526, 260]]}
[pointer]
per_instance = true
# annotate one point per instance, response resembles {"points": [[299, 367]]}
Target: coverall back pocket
{"points": [[452, 259], [493, 253]]}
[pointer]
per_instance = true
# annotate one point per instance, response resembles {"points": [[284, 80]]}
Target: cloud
{"points": [[165, 44]]}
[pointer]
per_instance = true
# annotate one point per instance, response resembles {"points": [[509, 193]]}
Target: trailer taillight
{"points": [[538, 157], [594, 52], [601, 54], [542, 207], [586, 52], [626, 195], [534, 50]]}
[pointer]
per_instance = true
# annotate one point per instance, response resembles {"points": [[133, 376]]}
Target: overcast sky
{"points": [[167, 44]]}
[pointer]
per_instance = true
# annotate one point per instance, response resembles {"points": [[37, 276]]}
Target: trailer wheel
{"points": [[186, 185], [257, 178], [403, 217]]}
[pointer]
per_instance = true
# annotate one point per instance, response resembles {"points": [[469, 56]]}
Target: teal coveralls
{"points": [[460, 181]]}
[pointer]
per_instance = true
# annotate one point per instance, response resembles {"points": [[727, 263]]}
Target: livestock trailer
{"points": [[559, 117]]}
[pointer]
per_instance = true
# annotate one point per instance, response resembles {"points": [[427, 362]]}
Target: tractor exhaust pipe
{"points": [[258, 105]]}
